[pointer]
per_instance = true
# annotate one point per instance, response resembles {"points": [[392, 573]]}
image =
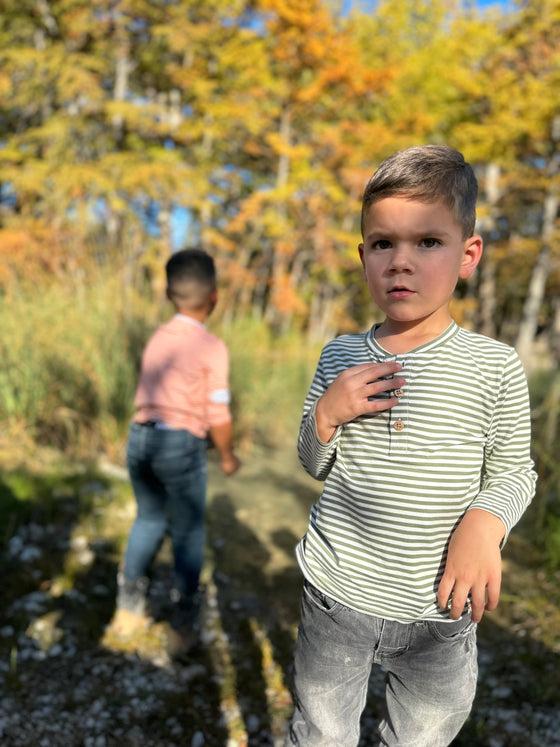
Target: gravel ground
{"points": [[65, 682]]}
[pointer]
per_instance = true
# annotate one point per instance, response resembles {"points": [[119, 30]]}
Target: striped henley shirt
{"points": [[398, 482]]}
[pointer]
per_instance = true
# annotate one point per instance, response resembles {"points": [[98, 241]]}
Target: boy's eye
{"points": [[430, 243], [382, 244]]}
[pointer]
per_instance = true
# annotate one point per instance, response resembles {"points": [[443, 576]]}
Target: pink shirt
{"points": [[184, 378]]}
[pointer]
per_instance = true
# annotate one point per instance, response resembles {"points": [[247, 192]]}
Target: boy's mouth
{"points": [[400, 291]]}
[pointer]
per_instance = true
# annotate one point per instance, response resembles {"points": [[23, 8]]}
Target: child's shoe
{"points": [[131, 608], [184, 625], [125, 624], [180, 642]]}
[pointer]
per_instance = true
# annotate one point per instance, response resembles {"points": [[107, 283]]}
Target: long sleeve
{"points": [[508, 478], [316, 457]]}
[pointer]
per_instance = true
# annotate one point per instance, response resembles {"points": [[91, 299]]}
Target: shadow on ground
{"points": [[66, 684]]}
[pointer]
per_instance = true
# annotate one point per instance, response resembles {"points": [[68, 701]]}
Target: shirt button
{"points": [[398, 392], [398, 425]]}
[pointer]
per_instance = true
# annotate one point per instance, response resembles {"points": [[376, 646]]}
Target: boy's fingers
{"points": [[458, 602], [478, 600], [493, 594], [453, 597], [370, 372], [386, 385], [444, 592]]}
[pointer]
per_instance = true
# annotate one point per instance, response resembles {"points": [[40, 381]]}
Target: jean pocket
{"points": [[447, 632], [320, 600]]}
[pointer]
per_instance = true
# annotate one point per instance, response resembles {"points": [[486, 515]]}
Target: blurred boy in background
{"points": [[182, 401]]}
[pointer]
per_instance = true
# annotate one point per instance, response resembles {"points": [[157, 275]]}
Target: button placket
{"points": [[399, 424], [400, 411]]}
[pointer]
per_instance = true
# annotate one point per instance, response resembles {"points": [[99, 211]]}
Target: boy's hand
{"points": [[229, 464], [474, 564], [222, 438], [347, 397]]}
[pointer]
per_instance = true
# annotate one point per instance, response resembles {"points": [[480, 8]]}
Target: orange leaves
{"points": [[262, 121], [27, 255], [286, 298], [250, 211]]}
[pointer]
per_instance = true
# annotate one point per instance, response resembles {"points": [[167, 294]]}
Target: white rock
{"points": [[198, 739]]}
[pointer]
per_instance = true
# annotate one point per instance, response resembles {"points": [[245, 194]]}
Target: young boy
{"points": [[421, 432], [182, 398]]}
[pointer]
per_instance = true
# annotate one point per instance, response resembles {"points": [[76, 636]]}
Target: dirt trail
{"points": [[66, 683]]}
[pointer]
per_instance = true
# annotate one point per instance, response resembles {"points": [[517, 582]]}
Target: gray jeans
{"points": [[431, 676]]}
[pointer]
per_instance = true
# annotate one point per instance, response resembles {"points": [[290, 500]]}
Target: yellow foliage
{"points": [[264, 133]]}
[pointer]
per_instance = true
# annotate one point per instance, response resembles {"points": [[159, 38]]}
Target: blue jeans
{"points": [[168, 472], [431, 676]]}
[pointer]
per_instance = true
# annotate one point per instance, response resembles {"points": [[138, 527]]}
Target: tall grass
{"points": [[69, 366], [270, 376]]}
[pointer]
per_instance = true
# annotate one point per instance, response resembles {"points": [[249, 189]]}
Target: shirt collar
{"points": [[189, 320], [441, 339]]}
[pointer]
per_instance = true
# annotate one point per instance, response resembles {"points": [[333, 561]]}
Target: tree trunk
{"points": [[122, 71], [487, 297], [537, 285], [279, 263], [487, 285]]}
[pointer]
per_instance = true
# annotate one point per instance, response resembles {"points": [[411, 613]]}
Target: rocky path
{"points": [[65, 683]]}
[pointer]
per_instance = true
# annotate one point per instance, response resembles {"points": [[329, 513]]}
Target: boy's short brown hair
{"points": [[191, 278], [427, 173]]}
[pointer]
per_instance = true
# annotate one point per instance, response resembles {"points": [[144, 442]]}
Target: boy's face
{"points": [[413, 254]]}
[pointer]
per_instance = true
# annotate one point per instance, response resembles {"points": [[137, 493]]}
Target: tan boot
{"points": [[131, 615], [125, 624]]}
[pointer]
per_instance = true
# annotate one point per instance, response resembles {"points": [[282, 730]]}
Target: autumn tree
{"points": [[261, 123], [516, 132]]}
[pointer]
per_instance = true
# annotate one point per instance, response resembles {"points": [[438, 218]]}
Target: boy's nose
{"points": [[400, 259]]}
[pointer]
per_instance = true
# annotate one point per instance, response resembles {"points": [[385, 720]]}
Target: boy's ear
{"points": [[472, 252], [361, 253]]}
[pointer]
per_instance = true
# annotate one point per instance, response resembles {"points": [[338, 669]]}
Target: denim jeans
{"points": [[430, 683], [168, 472]]}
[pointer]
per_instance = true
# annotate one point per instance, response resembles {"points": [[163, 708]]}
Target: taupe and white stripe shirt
{"points": [[398, 482]]}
